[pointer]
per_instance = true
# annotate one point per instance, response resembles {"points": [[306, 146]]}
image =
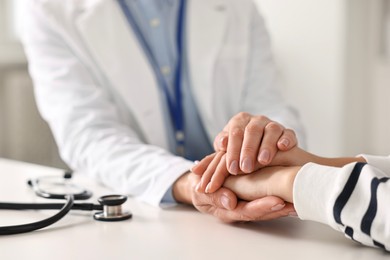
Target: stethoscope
{"points": [[109, 207]]}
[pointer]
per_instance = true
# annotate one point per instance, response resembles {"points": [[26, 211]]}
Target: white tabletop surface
{"points": [[177, 233]]}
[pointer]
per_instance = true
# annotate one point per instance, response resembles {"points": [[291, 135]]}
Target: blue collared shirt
{"points": [[157, 21]]}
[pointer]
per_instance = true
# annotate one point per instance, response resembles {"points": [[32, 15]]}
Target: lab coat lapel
{"points": [[205, 31], [116, 50]]}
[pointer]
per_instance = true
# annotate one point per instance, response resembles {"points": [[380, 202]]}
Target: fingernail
{"points": [[196, 162], [278, 207], [225, 202], [233, 169], [284, 142], [293, 214], [208, 187], [264, 156], [247, 165]]}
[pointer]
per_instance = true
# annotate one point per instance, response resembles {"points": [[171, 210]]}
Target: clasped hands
{"points": [[250, 176]]}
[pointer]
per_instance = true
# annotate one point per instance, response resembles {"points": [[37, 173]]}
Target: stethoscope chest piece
{"points": [[112, 208]]}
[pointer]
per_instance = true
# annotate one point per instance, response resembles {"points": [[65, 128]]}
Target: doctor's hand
{"points": [[252, 139], [224, 205]]}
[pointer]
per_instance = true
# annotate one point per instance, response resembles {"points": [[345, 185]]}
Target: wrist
{"points": [[284, 185], [182, 189], [294, 157]]}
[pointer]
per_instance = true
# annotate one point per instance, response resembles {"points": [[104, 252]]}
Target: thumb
{"points": [[223, 198]]}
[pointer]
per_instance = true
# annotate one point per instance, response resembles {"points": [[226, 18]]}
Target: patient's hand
{"points": [[271, 181], [214, 172]]}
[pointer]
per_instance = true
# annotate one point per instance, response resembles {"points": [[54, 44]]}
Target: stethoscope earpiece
{"points": [[112, 208]]}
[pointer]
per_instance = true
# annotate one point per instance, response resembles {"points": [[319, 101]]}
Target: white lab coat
{"points": [[96, 89]]}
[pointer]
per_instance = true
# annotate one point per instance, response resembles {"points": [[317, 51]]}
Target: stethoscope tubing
{"points": [[49, 206], [34, 183], [24, 228]]}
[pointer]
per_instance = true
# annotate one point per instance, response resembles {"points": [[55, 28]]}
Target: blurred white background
{"points": [[334, 62], [23, 134], [334, 65]]}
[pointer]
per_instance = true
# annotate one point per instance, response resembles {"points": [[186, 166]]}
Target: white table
{"points": [[153, 233]]}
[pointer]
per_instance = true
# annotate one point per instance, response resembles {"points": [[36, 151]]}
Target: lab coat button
{"points": [[166, 70], [154, 22]]}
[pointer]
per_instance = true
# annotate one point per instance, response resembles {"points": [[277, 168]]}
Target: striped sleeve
{"points": [[354, 199]]}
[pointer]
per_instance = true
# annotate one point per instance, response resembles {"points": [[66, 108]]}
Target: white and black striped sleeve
{"points": [[354, 199]]}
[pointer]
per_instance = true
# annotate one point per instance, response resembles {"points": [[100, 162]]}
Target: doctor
{"points": [[134, 91]]}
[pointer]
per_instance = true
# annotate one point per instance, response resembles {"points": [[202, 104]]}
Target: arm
{"points": [[94, 133], [352, 199]]}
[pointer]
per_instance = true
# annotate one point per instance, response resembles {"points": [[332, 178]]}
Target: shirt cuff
{"points": [[313, 192], [380, 162], [168, 199]]}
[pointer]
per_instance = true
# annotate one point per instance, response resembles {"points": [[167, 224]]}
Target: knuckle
{"points": [[261, 118], [237, 132], [217, 138], [254, 128], [274, 127], [249, 150], [243, 217], [240, 118], [221, 134], [243, 115], [213, 200]]}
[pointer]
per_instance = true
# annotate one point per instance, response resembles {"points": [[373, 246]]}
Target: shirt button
{"points": [[166, 70], [154, 22]]}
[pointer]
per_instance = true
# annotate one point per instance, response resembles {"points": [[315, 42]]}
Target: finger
{"points": [[277, 211], [259, 209], [250, 146], [218, 177], [236, 135], [201, 166], [268, 147], [288, 140], [206, 177], [221, 141]]}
